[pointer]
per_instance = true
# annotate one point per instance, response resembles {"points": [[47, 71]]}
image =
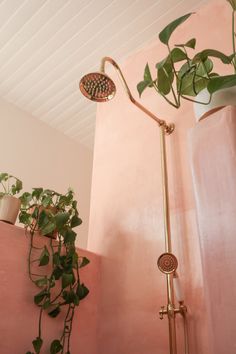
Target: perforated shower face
{"points": [[167, 263], [97, 87]]}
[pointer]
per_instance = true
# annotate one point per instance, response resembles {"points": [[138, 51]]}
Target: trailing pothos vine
{"points": [[181, 75], [53, 267]]}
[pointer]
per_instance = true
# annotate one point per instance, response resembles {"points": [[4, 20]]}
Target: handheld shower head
{"points": [[167, 263], [97, 87]]}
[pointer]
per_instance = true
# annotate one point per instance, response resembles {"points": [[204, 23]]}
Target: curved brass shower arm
{"points": [[169, 128]]}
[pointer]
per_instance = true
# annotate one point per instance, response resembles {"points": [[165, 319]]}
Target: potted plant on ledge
{"points": [[9, 203], [54, 266], [182, 76]]}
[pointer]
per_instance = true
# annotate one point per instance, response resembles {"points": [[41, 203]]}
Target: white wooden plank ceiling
{"points": [[46, 46]]}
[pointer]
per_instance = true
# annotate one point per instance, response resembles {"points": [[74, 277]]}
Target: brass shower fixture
{"points": [[99, 87], [167, 263]]}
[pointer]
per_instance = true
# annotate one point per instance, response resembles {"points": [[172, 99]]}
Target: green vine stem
{"points": [[233, 40], [170, 102]]}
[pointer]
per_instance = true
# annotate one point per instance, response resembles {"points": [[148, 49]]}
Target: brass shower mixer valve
{"points": [[171, 310]]}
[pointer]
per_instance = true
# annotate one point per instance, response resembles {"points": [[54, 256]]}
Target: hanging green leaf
{"points": [[177, 55], [48, 228], [190, 44], [52, 283], [147, 74], [55, 312], [191, 85], [55, 347], [75, 221], [213, 74], [75, 258], [70, 297], [37, 344], [69, 235], [35, 213], [160, 64], [204, 68], [82, 291], [67, 279], [164, 81], [233, 4], [43, 217], [57, 273], [37, 192], [56, 259], [25, 218], [185, 69], [41, 282], [44, 257], [142, 86], [221, 82], [166, 33], [232, 56], [61, 219], [25, 199], [204, 54], [84, 262], [147, 82], [165, 70], [4, 176], [193, 78], [46, 304], [74, 204], [40, 297], [46, 201], [16, 187]]}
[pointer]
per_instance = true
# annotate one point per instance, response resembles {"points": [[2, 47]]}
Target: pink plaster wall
{"points": [[19, 315], [212, 143], [126, 220], [43, 157]]}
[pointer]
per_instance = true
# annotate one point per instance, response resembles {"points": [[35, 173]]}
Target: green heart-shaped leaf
{"points": [[166, 33]]}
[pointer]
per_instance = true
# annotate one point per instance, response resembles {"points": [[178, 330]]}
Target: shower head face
{"points": [[97, 87], [167, 263]]}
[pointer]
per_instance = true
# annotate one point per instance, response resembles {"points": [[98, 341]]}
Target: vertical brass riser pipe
{"points": [[168, 247]]}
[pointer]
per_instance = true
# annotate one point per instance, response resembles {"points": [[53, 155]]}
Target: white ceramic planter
{"points": [[220, 99], [9, 208]]}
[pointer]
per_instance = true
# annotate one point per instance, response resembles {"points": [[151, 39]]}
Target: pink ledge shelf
{"points": [[19, 315]]}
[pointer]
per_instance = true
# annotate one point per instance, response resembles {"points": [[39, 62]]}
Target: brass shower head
{"points": [[97, 87], [167, 263]]}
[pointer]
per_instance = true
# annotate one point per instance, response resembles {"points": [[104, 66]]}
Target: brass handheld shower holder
{"points": [[99, 87]]}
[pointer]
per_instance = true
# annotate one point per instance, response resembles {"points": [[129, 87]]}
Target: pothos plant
{"points": [[182, 75], [10, 185], [54, 268]]}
